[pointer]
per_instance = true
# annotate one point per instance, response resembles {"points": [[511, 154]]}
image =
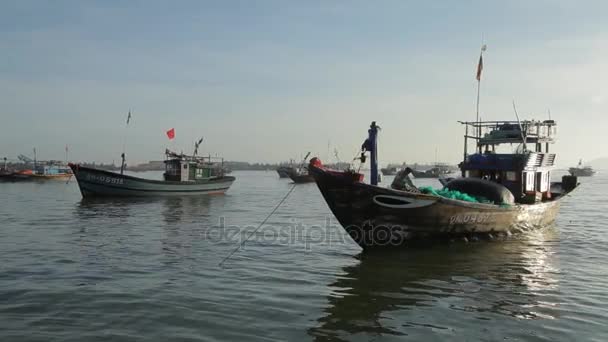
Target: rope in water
{"points": [[221, 264]]}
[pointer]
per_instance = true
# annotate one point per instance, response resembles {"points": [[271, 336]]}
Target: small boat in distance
{"points": [[581, 171], [283, 171], [390, 170], [300, 174], [436, 171], [499, 193], [51, 170], [184, 175]]}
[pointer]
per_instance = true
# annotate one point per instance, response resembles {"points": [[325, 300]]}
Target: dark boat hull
{"points": [[375, 216], [100, 183], [283, 172], [579, 172]]}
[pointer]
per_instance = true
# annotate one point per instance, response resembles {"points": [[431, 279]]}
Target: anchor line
{"points": [[259, 226]]}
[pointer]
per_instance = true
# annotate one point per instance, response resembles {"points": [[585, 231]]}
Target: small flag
{"points": [[479, 67], [171, 133], [66, 148], [129, 117]]}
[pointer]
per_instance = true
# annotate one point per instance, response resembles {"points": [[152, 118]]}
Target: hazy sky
{"points": [[270, 80]]}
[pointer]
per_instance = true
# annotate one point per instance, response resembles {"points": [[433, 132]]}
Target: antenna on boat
{"points": [[521, 129], [124, 144], [549, 112]]}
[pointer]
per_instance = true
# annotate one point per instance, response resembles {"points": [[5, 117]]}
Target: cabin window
{"points": [[529, 181], [544, 182], [511, 176], [185, 166]]}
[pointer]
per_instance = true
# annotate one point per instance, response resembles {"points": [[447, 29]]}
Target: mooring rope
{"points": [[221, 264]]}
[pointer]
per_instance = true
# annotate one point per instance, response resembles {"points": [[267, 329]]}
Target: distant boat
{"points": [[283, 171], [301, 175], [184, 175], [16, 176], [581, 171], [51, 171], [434, 172], [389, 170]]}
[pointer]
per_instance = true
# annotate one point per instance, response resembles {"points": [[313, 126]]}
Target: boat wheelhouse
{"points": [[526, 173], [183, 168]]}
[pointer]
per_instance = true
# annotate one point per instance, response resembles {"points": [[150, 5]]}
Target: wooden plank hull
{"points": [[375, 216], [100, 183]]}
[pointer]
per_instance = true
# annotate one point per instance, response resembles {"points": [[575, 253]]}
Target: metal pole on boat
{"points": [[478, 77], [124, 144], [373, 139]]}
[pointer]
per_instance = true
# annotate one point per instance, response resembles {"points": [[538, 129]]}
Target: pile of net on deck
{"points": [[453, 194]]}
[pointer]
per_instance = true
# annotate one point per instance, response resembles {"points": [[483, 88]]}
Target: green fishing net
{"points": [[452, 194]]}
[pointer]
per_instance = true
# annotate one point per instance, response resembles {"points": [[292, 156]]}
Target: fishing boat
{"points": [[581, 171], [184, 175], [300, 175], [434, 172], [389, 170], [498, 193], [51, 170], [283, 171]]}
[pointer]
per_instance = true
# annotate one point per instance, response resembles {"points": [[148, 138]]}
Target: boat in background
{"points": [[437, 171], [184, 175], [301, 175], [283, 171], [390, 170], [498, 193], [581, 171], [51, 170]]}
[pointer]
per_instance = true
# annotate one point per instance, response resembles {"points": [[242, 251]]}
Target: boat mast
{"points": [[124, 144], [478, 77], [373, 149]]}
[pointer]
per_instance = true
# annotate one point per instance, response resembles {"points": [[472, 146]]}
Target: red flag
{"points": [[479, 67], [171, 133]]}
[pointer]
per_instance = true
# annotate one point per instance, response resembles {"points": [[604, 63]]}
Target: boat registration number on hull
{"points": [[469, 218], [105, 179]]}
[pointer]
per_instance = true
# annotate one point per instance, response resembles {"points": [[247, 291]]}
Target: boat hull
{"points": [[375, 216], [100, 183], [578, 172]]}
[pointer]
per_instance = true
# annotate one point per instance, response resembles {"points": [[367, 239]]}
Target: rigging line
{"points": [[258, 228]]}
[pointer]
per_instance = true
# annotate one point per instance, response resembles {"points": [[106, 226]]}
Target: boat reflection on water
{"points": [[444, 288]]}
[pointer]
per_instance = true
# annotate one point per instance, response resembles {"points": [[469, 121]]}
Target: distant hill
{"points": [[600, 163]]}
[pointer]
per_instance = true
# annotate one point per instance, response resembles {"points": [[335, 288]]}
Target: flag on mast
{"points": [[129, 117], [480, 64], [171, 133]]}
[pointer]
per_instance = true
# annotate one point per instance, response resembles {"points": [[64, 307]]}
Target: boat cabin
{"points": [[526, 172], [51, 169], [182, 168]]}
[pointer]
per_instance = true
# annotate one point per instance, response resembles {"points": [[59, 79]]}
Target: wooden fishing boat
{"points": [[581, 171], [498, 193], [52, 170], [184, 175]]}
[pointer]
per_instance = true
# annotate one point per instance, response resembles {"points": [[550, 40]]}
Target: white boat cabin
{"points": [[182, 168]]}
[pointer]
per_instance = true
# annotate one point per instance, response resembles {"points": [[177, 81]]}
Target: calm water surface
{"points": [[147, 270]]}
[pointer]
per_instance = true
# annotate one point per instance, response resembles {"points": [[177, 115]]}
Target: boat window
{"points": [[529, 181], [185, 166], [511, 176]]}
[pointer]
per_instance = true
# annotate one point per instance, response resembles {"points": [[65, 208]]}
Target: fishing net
{"points": [[452, 194]]}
